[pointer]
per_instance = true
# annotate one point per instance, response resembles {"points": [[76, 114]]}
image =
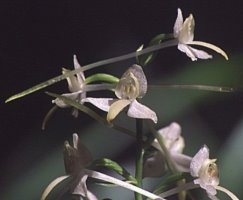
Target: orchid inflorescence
{"points": [[165, 150]]}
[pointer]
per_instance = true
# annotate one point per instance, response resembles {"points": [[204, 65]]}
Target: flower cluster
{"points": [[205, 170], [157, 153]]}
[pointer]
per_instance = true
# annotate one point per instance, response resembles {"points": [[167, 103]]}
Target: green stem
{"points": [[139, 158], [56, 79], [168, 160]]}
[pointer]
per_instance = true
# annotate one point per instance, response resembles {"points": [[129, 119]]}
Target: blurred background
{"points": [[38, 38]]}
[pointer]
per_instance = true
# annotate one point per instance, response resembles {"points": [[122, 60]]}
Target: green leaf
{"points": [[110, 164], [101, 77], [167, 182], [196, 87], [88, 67]]}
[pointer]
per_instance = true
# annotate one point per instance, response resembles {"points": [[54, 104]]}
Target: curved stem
{"points": [[229, 193], [187, 186], [104, 177], [140, 154], [56, 79]]}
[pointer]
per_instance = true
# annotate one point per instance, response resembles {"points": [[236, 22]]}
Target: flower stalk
{"points": [[139, 157]]}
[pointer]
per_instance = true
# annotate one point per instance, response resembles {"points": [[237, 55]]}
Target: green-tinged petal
{"points": [[101, 77], [50, 187], [116, 108], [137, 110], [186, 34], [210, 46]]}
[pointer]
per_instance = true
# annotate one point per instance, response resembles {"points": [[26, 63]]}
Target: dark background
{"points": [[37, 38]]}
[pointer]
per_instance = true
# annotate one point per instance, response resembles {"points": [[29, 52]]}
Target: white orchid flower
{"points": [[75, 85], [78, 88], [174, 142], [207, 173], [132, 85], [76, 159], [184, 32]]}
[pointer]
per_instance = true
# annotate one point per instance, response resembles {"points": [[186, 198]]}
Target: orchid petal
{"points": [[116, 108], [139, 77], [182, 162], [81, 188], [50, 187], [137, 110], [193, 53], [142, 81], [178, 23], [172, 138], [198, 160], [187, 32], [212, 197], [185, 48], [200, 53], [80, 75], [170, 133], [210, 46], [84, 153], [101, 103]]}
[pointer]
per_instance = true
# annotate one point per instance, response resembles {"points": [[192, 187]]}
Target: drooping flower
{"points": [[76, 159], [75, 85], [174, 142], [207, 173], [132, 85], [184, 32]]}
